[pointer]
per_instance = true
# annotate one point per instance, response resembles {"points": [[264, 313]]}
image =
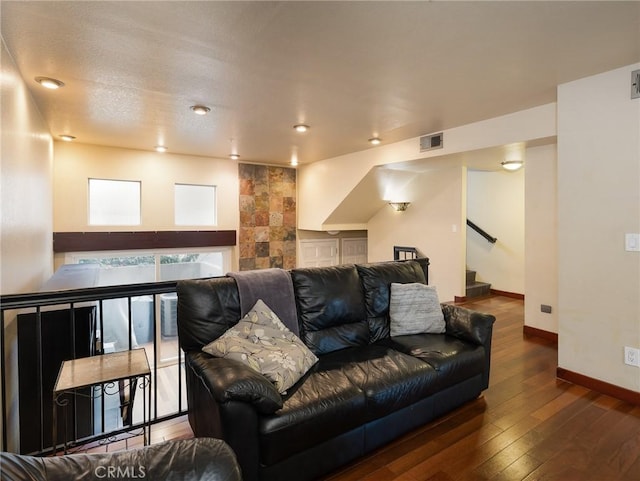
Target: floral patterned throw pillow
{"points": [[261, 341]]}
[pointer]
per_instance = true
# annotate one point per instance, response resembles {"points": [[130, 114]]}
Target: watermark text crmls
{"points": [[115, 472]]}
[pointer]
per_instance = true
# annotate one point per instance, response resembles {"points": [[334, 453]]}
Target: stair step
{"points": [[471, 276], [478, 289]]}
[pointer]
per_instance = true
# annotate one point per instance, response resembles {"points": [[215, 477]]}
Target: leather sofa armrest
{"points": [[469, 325], [229, 380]]}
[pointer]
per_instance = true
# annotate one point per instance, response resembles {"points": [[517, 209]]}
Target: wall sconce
{"points": [[511, 165], [399, 206]]}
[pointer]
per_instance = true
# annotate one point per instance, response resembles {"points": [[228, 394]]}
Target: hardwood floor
{"points": [[527, 426]]}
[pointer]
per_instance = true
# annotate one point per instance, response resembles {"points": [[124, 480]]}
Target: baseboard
{"points": [[492, 292], [627, 395], [529, 331], [513, 295]]}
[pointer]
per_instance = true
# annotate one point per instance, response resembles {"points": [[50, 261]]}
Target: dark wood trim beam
{"points": [[627, 395], [109, 241], [529, 331]]}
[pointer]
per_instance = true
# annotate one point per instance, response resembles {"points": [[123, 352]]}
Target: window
{"points": [[114, 202], [118, 268], [124, 324], [195, 204]]}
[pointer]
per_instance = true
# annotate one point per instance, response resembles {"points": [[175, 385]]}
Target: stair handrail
{"points": [[482, 232]]}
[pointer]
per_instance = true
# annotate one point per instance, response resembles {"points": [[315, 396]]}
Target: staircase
{"points": [[475, 288]]}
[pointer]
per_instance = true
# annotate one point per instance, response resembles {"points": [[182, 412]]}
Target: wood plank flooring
{"points": [[527, 426]]}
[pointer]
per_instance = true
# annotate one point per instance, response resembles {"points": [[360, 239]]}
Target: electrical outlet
{"points": [[631, 356]]}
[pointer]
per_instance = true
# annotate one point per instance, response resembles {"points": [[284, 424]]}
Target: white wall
{"points": [[495, 203], [541, 238], [598, 202], [76, 163], [434, 223], [26, 259]]}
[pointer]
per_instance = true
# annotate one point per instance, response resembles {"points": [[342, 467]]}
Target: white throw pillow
{"points": [[414, 308], [261, 341]]}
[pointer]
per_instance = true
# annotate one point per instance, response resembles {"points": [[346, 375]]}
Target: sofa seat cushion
{"points": [[321, 406], [453, 359], [389, 379]]}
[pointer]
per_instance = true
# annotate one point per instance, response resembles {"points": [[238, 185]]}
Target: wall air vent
{"points": [[635, 84], [431, 142]]}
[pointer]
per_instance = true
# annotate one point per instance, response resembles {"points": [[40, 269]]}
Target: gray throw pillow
{"points": [[261, 341], [414, 308]]}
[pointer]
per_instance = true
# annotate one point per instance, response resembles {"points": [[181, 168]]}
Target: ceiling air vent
{"points": [[635, 84], [431, 142]]}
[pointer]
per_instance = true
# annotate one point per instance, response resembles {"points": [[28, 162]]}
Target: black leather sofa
{"points": [[366, 389], [199, 459]]}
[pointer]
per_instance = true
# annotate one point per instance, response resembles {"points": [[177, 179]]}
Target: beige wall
{"points": [[75, 163], [541, 238], [495, 202], [323, 185], [598, 202], [434, 223], [26, 218], [438, 194], [26, 224]]}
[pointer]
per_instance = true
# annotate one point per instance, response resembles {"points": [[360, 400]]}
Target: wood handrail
{"points": [[482, 232]]}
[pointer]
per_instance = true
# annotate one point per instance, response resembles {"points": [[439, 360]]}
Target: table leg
{"points": [[54, 434]]}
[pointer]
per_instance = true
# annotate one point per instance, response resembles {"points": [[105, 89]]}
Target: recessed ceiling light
{"points": [[49, 83], [161, 148], [234, 156], [301, 128], [200, 109], [375, 140], [67, 138]]}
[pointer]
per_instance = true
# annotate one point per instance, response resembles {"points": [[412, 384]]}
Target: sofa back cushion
{"points": [[376, 282], [206, 309], [331, 308]]}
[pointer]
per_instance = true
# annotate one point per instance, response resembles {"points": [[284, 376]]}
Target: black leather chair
{"points": [[199, 459]]}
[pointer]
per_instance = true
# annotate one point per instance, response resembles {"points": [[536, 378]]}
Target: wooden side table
{"points": [[109, 369]]}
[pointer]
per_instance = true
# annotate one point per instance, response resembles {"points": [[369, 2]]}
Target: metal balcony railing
{"points": [[40, 329]]}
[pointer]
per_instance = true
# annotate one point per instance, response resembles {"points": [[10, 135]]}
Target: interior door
{"points": [[354, 251], [318, 252]]}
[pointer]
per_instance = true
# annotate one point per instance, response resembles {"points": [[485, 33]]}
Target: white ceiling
{"points": [[351, 70]]}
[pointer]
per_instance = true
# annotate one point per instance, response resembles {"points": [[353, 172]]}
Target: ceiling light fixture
{"points": [[512, 165], [234, 156], [161, 148], [399, 206], [67, 138], [200, 109], [301, 128], [375, 140], [49, 83]]}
